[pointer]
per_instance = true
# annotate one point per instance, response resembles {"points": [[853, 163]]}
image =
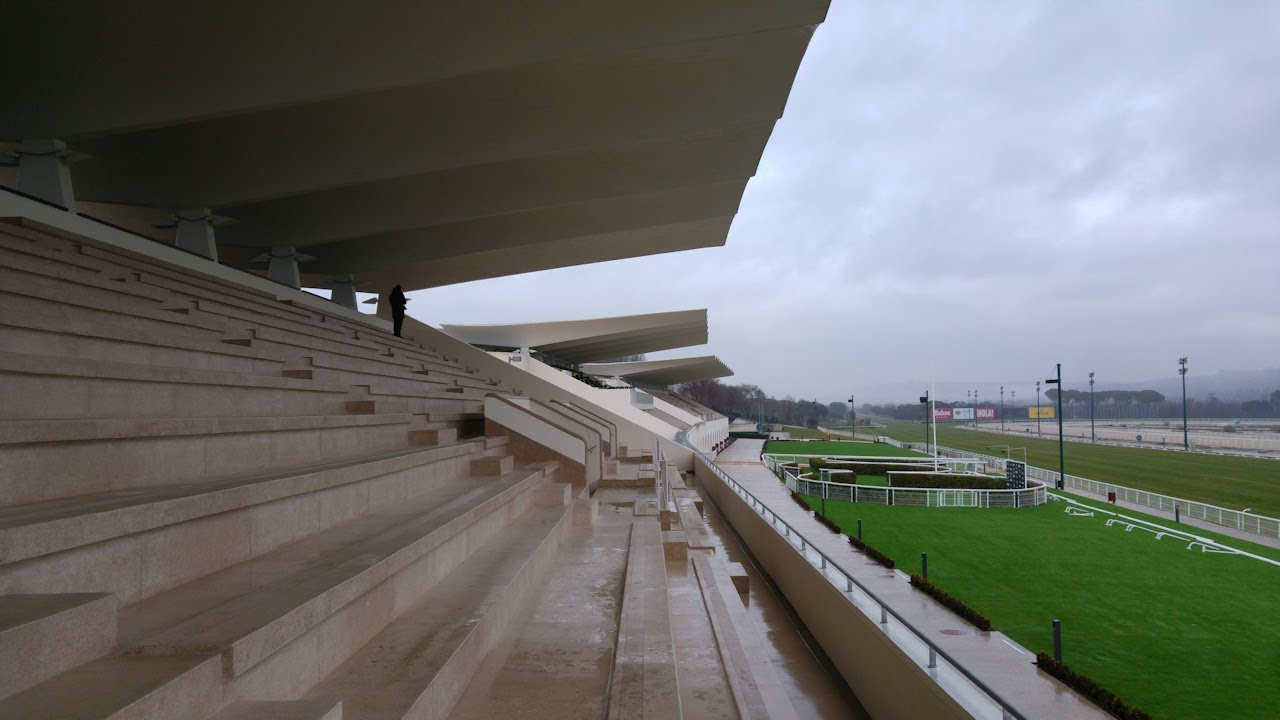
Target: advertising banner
{"points": [[1040, 412], [985, 413], [942, 414], [962, 413]]}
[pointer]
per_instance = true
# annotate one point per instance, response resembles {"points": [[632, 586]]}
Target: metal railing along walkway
{"points": [[828, 565]]}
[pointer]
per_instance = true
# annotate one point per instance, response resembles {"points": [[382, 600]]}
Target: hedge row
{"points": [[872, 553], [954, 481], [827, 523], [862, 468], [1086, 686], [951, 602]]}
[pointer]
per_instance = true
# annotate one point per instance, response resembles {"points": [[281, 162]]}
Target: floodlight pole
{"points": [[853, 419], [1182, 370], [1093, 434], [924, 400], [1037, 408], [1062, 465], [1001, 408], [974, 419]]}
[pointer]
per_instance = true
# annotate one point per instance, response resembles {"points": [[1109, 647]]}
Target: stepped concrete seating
{"points": [[644, 683], [214, 504]]}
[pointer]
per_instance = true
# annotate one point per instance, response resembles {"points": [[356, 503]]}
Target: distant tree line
{"points": [[1109, 404], [751, 402]]}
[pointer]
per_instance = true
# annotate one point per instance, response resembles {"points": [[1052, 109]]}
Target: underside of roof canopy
{"points": [[594, 340], [662, 373], [414, 143]]}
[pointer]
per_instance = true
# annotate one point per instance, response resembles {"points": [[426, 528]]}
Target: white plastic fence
{"points": [[1032, 495], [1268, 527]]}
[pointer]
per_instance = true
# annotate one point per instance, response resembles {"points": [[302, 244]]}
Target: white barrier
{"points": [[1034, 494], [1267, 527]]}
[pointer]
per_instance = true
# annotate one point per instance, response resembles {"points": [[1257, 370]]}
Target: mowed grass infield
{"points": [[1231, 482], [1182, 634]]}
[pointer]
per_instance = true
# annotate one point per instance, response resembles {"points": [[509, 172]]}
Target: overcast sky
{"points": [[990, 186]]}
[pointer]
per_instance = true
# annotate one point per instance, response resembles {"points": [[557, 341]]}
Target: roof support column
{"points": [[344, 290], [195, 232], [44, 171], [284, 267], [384, 305]]}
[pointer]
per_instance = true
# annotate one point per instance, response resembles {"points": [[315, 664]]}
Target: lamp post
{"points": [[1037, 408], [924, 399], [975, 408], [1062, 469], [1001, 408], [1093, 435], [1182, 370], [853, 418]]}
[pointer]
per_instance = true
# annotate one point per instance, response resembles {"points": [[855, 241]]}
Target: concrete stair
{"points": [[44, 387], [247, 515], [283, 620], [281, 710], [124, 688], [48, 459], [436, 646], [45, 334], [644, 683], [44, 635]]}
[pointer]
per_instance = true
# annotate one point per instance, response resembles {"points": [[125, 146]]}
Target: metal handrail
{"points": [[1008, 710]]}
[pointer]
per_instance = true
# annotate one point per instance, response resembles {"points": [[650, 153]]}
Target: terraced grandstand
{"points": [[223, 496]]}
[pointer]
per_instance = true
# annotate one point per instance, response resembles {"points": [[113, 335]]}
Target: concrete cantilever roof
{"points": [[581, 341], [415, 143], [662, 372]]}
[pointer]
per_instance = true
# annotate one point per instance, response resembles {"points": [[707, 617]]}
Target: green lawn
{"points": [[1183, 634], [1231, 482], [837, 447]]}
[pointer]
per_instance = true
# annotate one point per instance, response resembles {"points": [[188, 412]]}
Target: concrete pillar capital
{"points": [[344, 290], [44, 169]]}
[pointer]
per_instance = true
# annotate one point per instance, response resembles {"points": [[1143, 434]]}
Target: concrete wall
{"points": [[887, 682]]}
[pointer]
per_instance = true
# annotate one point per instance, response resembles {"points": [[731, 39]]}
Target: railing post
{"points": [[1057, 640], [884, 615], [933, 658], [924, 565]]}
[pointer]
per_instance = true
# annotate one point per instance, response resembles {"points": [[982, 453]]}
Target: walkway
{"points": [[1003, 665]]}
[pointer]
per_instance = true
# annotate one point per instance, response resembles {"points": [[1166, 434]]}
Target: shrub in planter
{"points": [[1088, 687], [952, 603], [872, 553]]}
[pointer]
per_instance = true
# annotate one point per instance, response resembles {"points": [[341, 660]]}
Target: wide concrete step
{"points": [[47, 387], [240, 317], [280, 710], [253, 611], [124, 688], [39, 333], [108, 307], [137, 543], [44, 635], [420, 664], [153, 271], [644, 683], [758, 691], [378, 398], [350, 371], [70, 278], [293, 344], [49, 459]]}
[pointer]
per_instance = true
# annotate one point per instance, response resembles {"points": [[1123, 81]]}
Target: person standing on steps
{"points": [[398, 301]]}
